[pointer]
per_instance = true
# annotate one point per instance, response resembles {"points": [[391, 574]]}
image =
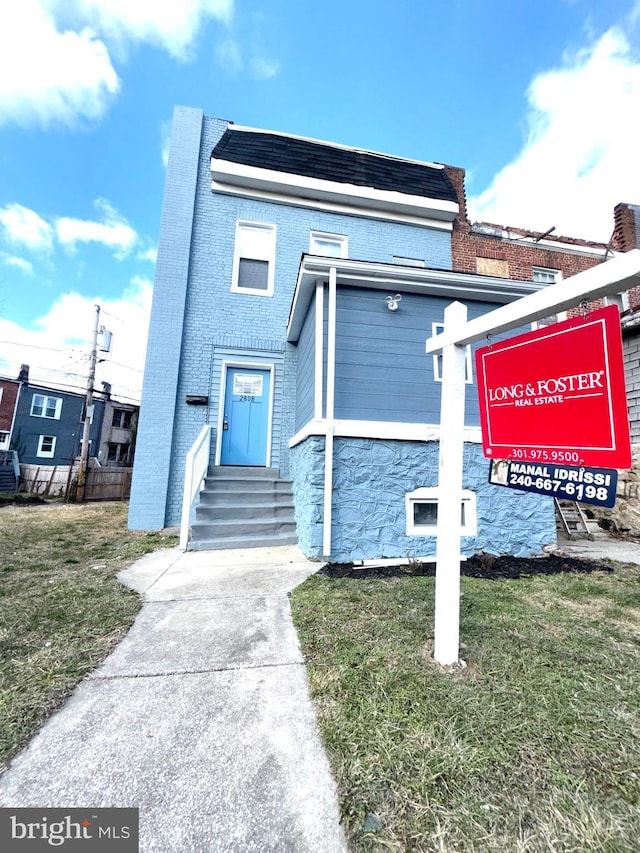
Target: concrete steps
{"points": [[243, 508]]}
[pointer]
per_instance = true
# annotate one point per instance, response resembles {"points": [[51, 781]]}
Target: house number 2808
{"points": [[247, 398]]}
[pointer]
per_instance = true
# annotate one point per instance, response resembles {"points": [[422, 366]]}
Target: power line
{"points": [[34, 346]]}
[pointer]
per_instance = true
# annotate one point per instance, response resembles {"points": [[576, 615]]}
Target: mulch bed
{"points": [[481, 566]]}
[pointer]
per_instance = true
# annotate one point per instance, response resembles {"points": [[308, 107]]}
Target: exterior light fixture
{"points": [[392, 302]]}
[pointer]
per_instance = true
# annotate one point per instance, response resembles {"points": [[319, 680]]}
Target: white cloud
{"points": [[114, 232], [229, 57], [165, 141], [264, 69], [50, 75], [169, 25], [148, 255], [57, 349], [22, 226], [19, 263], [55, 60], [580, 158]]}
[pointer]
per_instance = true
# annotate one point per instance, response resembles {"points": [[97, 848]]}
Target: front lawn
{"points": [[61, 608], [535, 746]]}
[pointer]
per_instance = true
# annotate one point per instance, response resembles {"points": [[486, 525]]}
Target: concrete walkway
{"points": [[201, 717]]}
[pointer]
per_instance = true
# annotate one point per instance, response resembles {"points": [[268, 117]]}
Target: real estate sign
{"points": [[595, 486], [557, 395]]}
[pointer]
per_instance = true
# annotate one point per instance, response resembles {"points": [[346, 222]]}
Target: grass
{"points": [[61, 607], [535, 746]]}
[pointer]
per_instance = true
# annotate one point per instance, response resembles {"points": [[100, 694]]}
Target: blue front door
{"points": [[246, 417]]}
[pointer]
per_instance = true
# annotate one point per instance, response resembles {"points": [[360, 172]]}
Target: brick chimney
{"points": [[626, 225], [23, 376]]}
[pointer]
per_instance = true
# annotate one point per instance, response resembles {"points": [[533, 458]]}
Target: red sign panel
{"points": [[557, 394]]}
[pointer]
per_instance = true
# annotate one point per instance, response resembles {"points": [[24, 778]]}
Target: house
{"points": [[118, 439], [48, 425], [9, 390], [296, 283]]}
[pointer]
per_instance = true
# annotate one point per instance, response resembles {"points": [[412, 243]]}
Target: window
{"points": [[619, 299], [247, 384], [46, 446], [46, 407], [422, 512], [118, 453], [254, 258], [436, 329], [121, 419], [544, 275], [328, 245], [4, 440]]}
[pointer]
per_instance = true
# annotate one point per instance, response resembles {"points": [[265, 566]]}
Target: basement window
{"points": [[422, 512]]}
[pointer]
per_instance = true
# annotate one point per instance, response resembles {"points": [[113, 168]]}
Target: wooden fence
{"points": [[60, 481]]}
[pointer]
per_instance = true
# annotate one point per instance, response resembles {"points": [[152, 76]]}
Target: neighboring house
{"points": [[49, 423], [276, 322], [9, 391], [118, 440]]}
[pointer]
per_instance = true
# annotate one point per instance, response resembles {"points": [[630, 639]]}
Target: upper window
{"points": [[121, 419], [544, 275], [328, 245], [254, 258], [46, 407], [46, 446], [436, 329]]}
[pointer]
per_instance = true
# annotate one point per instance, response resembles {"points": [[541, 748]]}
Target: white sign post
{"points": [[614, 276], [447, 608]]}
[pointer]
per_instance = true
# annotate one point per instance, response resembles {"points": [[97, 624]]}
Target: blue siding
{"points": [[194, 307], [305, 377], [382, 370], [67, 429]]}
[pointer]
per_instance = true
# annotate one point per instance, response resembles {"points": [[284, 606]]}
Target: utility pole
{"points": [[88, 414]]}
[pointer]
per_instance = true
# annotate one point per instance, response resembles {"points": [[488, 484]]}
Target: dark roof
{"points": [[330, 163]]}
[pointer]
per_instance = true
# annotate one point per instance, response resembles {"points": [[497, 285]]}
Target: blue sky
{"points": [[540, 103]]}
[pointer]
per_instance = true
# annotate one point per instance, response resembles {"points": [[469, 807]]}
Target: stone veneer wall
{"points": [[370, 480], [624, 517]]}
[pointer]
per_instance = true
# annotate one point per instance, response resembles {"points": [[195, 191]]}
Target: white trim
{"points": [[46, 398], [318, 352], [389, 430], [287, 183], [339, 240], [400, 279], [46, 454], [327, 520], [243, 228], [432, 495], [255, 365], [331, 207]]}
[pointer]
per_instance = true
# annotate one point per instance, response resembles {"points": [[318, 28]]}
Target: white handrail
{"points": [[195, 469]]}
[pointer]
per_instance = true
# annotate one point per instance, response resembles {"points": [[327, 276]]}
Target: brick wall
{"points": [[488, 255]]}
